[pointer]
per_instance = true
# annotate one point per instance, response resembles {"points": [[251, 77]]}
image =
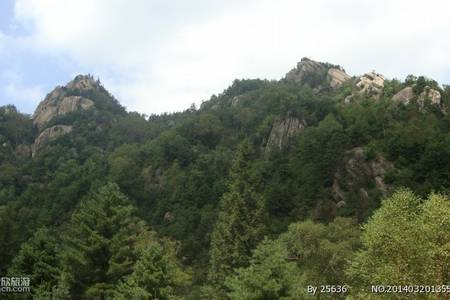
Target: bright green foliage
{"points": [[307, 254], [406, 241], [174, 167], [239, 227], [100, 245], [322, 251]]}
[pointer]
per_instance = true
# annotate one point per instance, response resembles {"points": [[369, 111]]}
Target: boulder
{"points": [[48, 135], [404, 96], [430, 94], [407, 94], [371, 84], [282, 131]]}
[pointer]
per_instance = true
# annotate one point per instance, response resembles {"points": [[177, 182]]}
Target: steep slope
{"points": [[325, 144]]}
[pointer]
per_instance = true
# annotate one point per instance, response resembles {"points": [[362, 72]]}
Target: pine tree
{"points": [[156, 275], [239, 227], [37, 259], [101, 244]]}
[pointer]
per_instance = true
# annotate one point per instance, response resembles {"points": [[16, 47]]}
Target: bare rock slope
{"points": [[60, 102]]}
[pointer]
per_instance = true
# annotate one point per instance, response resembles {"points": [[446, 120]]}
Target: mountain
{"points": [[321, 145]]}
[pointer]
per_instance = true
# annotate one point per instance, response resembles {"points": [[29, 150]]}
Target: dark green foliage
{"points": [[100, 244], [239, 227], [317, 151], [176, 173], [155, 276], [37, 259]]}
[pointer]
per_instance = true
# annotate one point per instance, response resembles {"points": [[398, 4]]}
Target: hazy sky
{"points": [[162, 55]]}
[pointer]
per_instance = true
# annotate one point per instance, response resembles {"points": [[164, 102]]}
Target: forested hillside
{"points": [[319, 178]]}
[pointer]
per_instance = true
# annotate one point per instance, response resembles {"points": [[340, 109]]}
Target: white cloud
{"points": [[18, 93], [160, 55]]}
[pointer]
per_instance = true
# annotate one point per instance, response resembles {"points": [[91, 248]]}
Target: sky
{"points": [[159, 56]]}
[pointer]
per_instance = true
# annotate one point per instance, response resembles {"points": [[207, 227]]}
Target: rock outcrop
{"points": [[282, 131], [306, 67], [407, 94], [434, 96], [317, 74], [357, 178], [48, 135], [336, 77], [59, 102], [82, 83], [371, 84], [404, 96]]}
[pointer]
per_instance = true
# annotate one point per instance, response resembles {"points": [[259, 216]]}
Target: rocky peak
{"points": [[317, 74], [304, 68], [62, 100], [371, 83], [83, 82]]}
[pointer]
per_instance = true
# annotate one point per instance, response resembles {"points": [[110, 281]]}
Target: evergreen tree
{"points": [[270, 275], [239, 227], [37, 260], [156, 275], [100, 245]]}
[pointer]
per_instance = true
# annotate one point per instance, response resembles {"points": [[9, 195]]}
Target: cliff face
{"points": [[354, 175], [282, 131], [48, 135], [60, 101]]}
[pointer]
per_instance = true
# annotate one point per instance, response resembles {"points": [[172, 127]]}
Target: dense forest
{"points": [[319, 179]]}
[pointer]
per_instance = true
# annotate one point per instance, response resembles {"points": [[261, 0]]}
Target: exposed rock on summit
{"points": [[336, 77], [82, 82], [407, 94], [430, 94], [317, 74], [306, 67], [282, 131], [48, 135], [371, 84], [58, 102], [404, 96]]}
